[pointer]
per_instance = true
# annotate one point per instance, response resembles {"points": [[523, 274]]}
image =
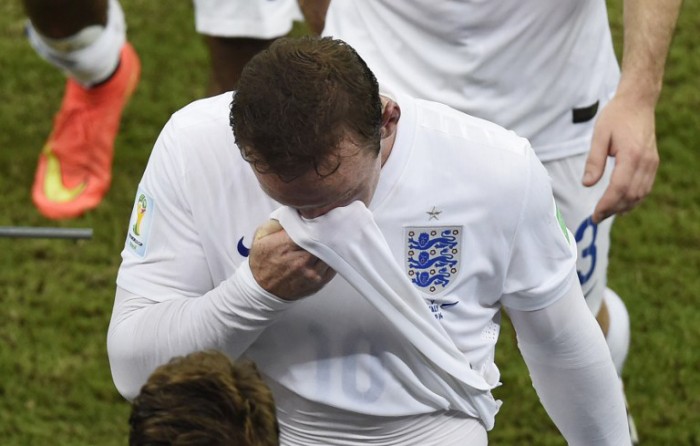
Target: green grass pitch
{"points": [[56, 295]]}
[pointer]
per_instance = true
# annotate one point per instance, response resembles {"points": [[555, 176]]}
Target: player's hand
{"points": [[626, 131], [284, 269]]}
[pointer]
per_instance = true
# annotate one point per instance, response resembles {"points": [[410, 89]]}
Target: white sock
{"points": [[89, 56], [618, 336]]}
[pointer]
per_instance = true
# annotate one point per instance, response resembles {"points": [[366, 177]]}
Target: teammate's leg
{"points": [[87, 40], [618, 324], [228, 56], [59, 19], [236, 30]]}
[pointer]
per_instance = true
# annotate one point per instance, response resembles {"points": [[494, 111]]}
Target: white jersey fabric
{"points": [[465, 207], [526, 65], [541, 68], [259, 19]]}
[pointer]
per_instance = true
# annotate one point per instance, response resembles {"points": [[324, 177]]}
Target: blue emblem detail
{"points": [[242, 249], [428, 239], [432, 256], [425, 261], [436, 307], [424, 279]]}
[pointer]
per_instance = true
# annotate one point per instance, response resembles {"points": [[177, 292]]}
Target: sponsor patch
{"points": [[140, 224], [432, 256]]}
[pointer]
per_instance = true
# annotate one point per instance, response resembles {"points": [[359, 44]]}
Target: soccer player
{"points": [[547, 70], [204, 398], [87, 40], [423, 222]]}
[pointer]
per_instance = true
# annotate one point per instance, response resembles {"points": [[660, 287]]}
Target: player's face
{"points": [[314, 195]]}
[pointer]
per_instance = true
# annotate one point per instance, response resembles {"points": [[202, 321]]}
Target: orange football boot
{"points": [[75, 165]]}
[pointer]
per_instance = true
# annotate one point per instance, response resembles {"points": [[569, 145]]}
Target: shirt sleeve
{"points": [[572, 371], [167, 303], [543, 251], [162, 252]]}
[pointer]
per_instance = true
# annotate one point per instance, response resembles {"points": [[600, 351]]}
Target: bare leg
{"points": [[603, 318], [314, 12], [58, 19], [228, 57]]}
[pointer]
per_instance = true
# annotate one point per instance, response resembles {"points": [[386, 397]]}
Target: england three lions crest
{"points": [[432, 256]]}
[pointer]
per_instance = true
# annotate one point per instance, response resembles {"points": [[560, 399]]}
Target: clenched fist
{"points": [[283, 268]]}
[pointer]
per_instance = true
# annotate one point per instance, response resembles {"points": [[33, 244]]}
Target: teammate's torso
{"points": [[525, 65]]}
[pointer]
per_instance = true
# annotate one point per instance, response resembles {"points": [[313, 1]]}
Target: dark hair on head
{"points": [[298, 99], [204, 399]]}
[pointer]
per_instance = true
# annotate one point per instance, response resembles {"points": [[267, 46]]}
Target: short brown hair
{"points": [[204, 399], [298, 99]]}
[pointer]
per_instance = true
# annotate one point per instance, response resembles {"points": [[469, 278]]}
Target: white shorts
{"points": [[261, 19], [576, 203]]}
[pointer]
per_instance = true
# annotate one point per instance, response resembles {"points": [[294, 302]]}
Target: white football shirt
{"points": [[531, 66], [464, 205]]}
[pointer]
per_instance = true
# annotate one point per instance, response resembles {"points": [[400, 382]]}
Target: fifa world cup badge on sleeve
{"points": [[140, 224], [432, 256]]}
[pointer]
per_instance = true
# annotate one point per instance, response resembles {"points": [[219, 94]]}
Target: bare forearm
{"points": [[648, 29]]}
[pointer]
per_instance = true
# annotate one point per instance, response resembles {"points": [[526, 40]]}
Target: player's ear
{"points": [[391, 112]]}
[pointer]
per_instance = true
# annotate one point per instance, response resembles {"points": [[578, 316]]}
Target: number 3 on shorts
{"points": [[589, 250]]}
